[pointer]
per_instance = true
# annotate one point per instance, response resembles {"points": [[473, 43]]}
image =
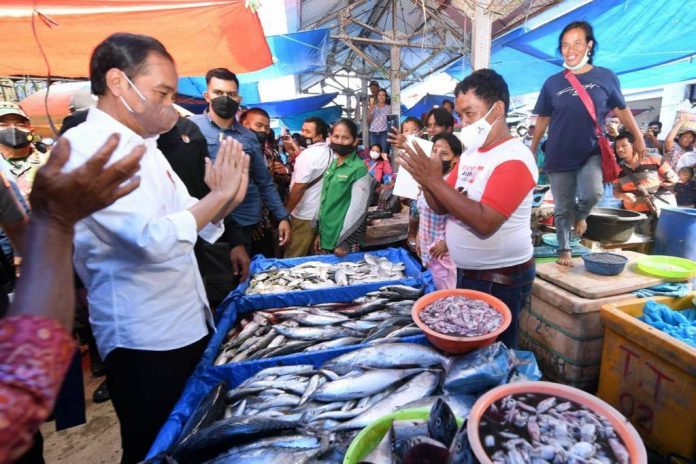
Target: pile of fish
{"points": [[433, 441], [461, 316], [538, 428], [312, 275], [296, 414], [384, 315]]}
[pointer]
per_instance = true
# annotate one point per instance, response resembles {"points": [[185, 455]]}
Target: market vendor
{"points": [[643, 185], [345, 194], [488, 231]]}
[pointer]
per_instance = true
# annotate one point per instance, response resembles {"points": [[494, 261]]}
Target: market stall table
{"points": [[387, 231]]}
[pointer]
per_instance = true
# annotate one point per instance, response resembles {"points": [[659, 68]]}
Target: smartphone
{"points": [[392, 121]]}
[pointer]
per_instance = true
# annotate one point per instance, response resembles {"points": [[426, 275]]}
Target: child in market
{"points": [[685, 189]]}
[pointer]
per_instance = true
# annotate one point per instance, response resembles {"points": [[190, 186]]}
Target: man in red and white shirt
{"points": [[488, 200]]}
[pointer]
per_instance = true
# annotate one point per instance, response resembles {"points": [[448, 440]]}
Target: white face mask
{"points": [[375, 155], [474, 135], [582, 62]]}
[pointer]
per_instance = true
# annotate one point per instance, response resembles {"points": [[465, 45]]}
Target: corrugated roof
{"points": [[434, 33]]}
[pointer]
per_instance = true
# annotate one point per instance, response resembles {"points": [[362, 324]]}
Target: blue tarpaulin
{"points": [[284, 108], [195, 86], [238, 303], [414, 277], [234, 374], [629, 44], [330, 115], [425, 104], [292, 54]]}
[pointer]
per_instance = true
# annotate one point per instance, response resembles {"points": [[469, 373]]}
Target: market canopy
{"points": [[292, 54], [330, 114], [279, 109], [196, 33], [425, 104], [642, 41]]}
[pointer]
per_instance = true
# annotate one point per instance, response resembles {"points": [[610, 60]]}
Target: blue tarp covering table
{"points": [[237, 303], [413, 277], [235, 373]]}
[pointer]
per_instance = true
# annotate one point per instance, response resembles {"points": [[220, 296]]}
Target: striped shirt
{"points": [[431, 228], [651, 173]]}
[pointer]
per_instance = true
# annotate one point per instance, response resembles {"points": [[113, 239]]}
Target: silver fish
{"points": [[361, 385], [313, 333], [336, 343], [388, 355], [420, 386]]}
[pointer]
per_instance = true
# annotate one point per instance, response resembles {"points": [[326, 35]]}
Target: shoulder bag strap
{"points": [[584, 97], [320, 176]]}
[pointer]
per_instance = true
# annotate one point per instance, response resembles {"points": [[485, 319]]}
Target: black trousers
{"points": [[144, 387]]}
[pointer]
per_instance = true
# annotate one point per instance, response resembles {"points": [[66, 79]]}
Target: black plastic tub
{"points": [[612, 224]]}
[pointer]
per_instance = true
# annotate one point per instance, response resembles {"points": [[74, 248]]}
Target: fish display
{"points": [[312, 275], [381, 316], [461, 316], [300, 413], [539, 428]]}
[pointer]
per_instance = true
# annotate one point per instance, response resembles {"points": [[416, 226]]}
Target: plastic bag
{"points": [[489, 367]]}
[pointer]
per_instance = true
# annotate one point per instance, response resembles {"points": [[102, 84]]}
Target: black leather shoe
{"points": [[101, 394]]}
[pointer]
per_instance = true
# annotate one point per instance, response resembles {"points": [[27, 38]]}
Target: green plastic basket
{"points": [[369, 437]]}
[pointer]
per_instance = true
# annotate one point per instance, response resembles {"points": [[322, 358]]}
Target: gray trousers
{"points": [[575, 193]]}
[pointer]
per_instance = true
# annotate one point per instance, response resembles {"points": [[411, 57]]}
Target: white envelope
{"points": [[406, 186]]}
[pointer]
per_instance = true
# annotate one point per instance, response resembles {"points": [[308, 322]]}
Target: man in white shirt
{"points": [[148, 308], [305, 186]]}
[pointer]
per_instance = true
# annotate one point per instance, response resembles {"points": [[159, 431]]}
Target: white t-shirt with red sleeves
{"points": [[502, 177]]}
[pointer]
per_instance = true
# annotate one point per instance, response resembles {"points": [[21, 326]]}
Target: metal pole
{"points": [[363, 112], [395, 76]]}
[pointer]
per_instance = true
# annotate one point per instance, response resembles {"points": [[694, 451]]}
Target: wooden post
{"points": [[481, 36]]}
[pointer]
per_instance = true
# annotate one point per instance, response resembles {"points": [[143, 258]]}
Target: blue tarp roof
{"points": [[425, 104], [195, 86], [292, 53], [279, 109], [330, 114], [634, 37], [300, 107]]}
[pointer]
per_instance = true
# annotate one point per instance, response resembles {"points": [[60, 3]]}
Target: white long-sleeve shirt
{"points": [[136, 256]]}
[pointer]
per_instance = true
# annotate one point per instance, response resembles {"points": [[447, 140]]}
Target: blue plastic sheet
{"points": [[237, 303], [488, 367], [668, 289], [285, 108], [294, 53], [201, 383], [330, 115], [425, 104], [621, 31], [195, 86], [679, 324], [413, 277]]}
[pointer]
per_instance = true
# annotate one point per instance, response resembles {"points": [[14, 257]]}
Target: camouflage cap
{"points": [[11, 108]]}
